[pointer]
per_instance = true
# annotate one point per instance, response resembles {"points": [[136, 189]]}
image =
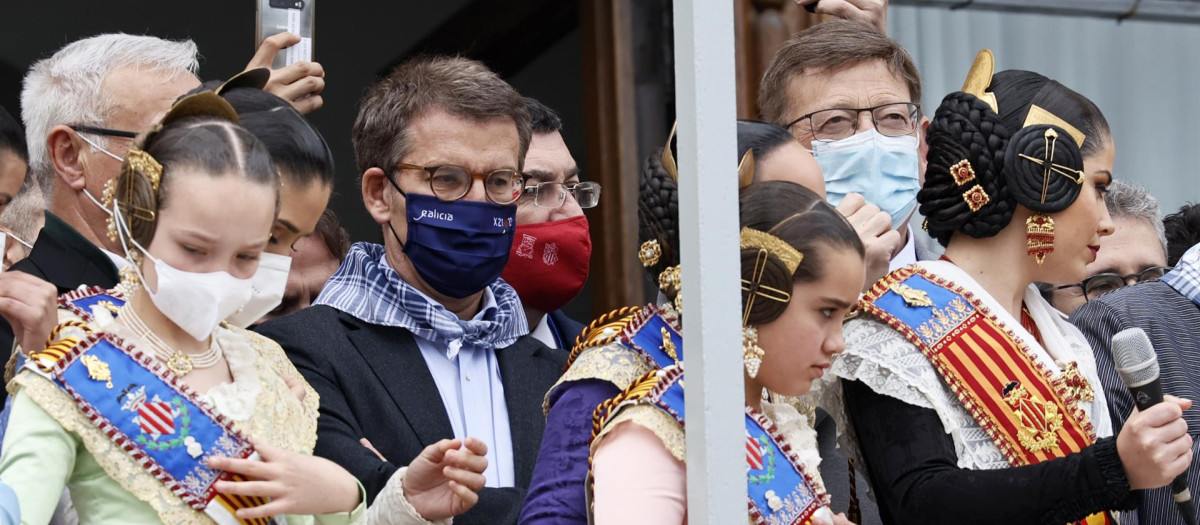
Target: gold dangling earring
{"points": [[1039, 236], [752, 354]]}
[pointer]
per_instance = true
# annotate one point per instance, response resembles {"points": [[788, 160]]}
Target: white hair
{"points": [[65, 89], [1130, 201]]}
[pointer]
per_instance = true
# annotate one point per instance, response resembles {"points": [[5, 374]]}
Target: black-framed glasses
{"points": [[103, 131], [1102, 283], [450, 183], [554, 194], [891, 120]]}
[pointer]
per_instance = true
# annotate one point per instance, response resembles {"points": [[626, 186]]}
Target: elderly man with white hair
{"points": [[82, 108]]}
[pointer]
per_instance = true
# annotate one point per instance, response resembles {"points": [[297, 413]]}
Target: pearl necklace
{"points": [[179, 362]]}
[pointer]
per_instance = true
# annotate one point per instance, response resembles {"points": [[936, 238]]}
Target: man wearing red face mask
{"points": [[552, 248]]}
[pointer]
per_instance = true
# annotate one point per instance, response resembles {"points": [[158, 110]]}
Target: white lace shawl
{"points": [[885, 361]]}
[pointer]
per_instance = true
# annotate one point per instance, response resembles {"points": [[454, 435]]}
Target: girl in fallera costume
{"points": [[802, 270], [149, 408], [969, 400]]}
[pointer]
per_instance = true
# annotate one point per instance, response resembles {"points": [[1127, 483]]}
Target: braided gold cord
{"points": [[616, 319]]}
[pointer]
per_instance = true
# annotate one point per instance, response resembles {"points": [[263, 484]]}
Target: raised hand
{"points": [[445, 479], [300, 83], [874, 227], [30, 305]]}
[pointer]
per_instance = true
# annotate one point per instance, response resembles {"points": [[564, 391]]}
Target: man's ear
{"points": [[923, 146], [66, 156], [374, 189]]}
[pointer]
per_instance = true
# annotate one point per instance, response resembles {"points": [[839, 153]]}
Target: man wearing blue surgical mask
{"points": [[418, 339], [851, 95]]}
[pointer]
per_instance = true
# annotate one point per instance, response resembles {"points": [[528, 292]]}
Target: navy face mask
{"points": [[458, 247]]}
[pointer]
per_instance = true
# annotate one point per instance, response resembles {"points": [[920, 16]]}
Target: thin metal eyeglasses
{"points": [[891, 120], [554, 194], [450, 183], [81, 130], [1102, 283]]}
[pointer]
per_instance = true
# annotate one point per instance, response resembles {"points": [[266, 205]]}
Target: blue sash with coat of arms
{"points": [[145, 410]]}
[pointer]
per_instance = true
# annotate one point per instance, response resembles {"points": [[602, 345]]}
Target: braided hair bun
{"points": [[982, 164], [658, 212], [965, 128]]}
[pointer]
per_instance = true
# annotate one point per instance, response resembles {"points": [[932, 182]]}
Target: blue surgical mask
{"points": [[459, 247], [884, 170]]}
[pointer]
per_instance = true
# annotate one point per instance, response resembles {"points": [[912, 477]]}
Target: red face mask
{"points": [[549, 262]]}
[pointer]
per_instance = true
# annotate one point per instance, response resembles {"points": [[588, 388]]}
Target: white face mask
{"points": [[267, 287], [196, 302]]}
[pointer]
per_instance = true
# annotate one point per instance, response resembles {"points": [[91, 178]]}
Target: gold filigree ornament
{"points": [[650, 253], [670, 279], [146, 164], [976, 198], [1039, 421], [97, 370], [668, 346], [962, 172], [1039, 237], [752, 354]]}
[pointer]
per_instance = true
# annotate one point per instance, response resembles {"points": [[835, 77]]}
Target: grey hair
{"points": [[1130, 201], [65, 89], [459, 86]]}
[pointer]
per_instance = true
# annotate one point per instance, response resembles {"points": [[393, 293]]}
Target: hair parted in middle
{"points": [[459, 86], [199, 135], [1019, 138]]}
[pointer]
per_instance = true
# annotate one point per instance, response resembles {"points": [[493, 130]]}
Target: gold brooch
{"points": [[962, 172], [97, 370], [649, 253], [976, 198], [912, 296], [670, 279]]}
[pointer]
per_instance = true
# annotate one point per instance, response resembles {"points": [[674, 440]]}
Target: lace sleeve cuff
{"points": [[392, 508]]}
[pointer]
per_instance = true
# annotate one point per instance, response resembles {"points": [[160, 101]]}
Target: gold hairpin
{"points": [[668, 158], [980, 77], [1048, 165], [746, 169], [767, 245]]}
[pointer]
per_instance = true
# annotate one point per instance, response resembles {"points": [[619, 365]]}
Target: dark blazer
{"points": [[64, 258], [1172, 322], [374, 383], [565, 328]]}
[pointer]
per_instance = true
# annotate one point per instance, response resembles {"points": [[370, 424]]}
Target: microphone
{"points": [[1137, 364]]}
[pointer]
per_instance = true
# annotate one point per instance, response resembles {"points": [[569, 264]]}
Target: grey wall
{"points": [[1142, 75]]}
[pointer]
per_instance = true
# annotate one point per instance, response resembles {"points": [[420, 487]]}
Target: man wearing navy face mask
{"points": [[851, 95], [418, 339]]}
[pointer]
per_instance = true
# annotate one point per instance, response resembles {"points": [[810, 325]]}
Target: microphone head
{"points": [[1134, 357]]}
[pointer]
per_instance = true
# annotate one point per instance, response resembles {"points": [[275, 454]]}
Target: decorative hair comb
{"points": [[668, 158], [767, 245]]}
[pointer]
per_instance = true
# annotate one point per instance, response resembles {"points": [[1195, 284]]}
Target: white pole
{"points": [[708, 236]]}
